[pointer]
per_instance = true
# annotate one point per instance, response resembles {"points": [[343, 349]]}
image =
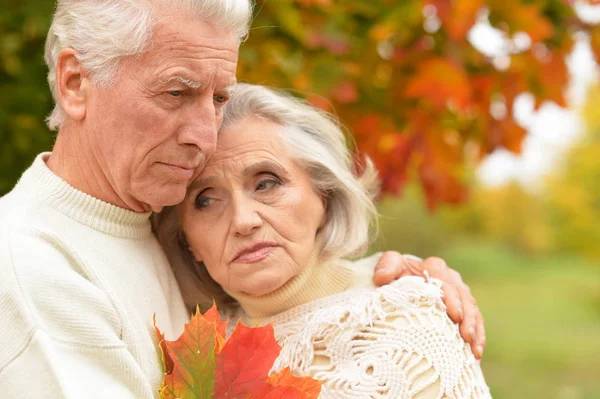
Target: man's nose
{"points": [[201, 128], [246, 219]]}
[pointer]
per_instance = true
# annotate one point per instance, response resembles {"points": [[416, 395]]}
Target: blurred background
{"points": [[482, 117]]}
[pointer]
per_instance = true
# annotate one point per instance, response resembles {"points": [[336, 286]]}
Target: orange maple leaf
{"points": [[440, 81], [201, 363]]}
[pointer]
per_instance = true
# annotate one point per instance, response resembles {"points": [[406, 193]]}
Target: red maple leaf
{"points": [[202, 364]]}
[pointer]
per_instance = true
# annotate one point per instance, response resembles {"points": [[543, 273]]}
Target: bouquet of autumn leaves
{"points": [[202, 363]]}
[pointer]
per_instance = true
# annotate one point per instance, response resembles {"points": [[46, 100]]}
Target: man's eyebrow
{"points": [[192, 84], [184, 81]]}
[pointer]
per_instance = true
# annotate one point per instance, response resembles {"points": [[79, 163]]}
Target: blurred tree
{"points": [[573, 194], [508, 215], [407, 81], [25, 98], [408, 227], [402, 75], [561, 217]]}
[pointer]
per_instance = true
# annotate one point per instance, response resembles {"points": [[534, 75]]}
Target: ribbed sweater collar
{"points": [[318, 280], [53, 191]]}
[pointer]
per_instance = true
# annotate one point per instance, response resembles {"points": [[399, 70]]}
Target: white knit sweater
{"points": [[80, 281], [390, 342]]}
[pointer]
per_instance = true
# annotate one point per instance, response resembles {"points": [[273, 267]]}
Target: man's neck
{"points": [[72, 161]]}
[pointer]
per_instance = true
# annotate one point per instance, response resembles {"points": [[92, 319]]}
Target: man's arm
{"points": [[46, 368], [460, 303], [60, 332]]}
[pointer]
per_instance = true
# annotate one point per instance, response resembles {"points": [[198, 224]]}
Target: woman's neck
{"points": [[318, 280]]}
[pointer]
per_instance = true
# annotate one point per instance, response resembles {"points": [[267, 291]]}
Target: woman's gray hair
{"points": [[104, 31], [317, 142]]}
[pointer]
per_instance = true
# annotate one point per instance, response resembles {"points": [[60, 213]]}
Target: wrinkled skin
{"points": [[139, 142], [252, 191]]}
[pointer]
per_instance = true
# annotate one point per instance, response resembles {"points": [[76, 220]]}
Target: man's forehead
{"points": [[189, 43], [182, 28]]}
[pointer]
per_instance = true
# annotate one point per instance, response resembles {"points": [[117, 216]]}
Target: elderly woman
{"points": [[265, 229]]}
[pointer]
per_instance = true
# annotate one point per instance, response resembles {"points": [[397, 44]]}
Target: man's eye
{"points": [[220, 98], [176, 93]]}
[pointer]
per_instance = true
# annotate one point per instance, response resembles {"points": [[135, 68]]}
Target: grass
{"points": [[542, 313], [542, 321]]}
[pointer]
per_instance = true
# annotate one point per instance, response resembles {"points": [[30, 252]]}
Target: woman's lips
{"points": [[256, 253]]}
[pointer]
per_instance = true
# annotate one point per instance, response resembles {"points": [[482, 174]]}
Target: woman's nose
{"points": [[246, 219]]}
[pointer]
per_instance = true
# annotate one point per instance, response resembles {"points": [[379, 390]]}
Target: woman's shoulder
{"points": [[363, 299], [409, 302], [400, 330], [363, 270]]}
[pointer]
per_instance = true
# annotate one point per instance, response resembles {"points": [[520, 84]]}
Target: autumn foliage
{"points": [[201, 363], [404, 76]]}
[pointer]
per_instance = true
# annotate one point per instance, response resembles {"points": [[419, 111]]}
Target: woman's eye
{"points": [[266, 184], [202, 202]]}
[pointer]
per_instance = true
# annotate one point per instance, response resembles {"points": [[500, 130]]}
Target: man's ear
{"points": [[71, 84]]}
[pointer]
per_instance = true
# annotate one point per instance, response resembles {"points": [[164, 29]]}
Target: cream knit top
{"points": [[80, 281], [392, 342]]}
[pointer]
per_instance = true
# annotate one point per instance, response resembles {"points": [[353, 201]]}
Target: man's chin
{"points": [[156, 208], [165, 197]]}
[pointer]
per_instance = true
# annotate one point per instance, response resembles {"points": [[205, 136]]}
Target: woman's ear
{"points": [[325, 213], [195, 253], [183, 243], [71, 84]]}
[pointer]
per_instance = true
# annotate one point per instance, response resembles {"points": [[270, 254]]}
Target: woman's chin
{"points": [[264, 287], [261, 278]]}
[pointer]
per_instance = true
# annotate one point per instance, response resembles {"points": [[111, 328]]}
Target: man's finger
{"points": [[437, 268], [389, 267], [468, 327], [481, 338], [453, 303], [471, 326]]}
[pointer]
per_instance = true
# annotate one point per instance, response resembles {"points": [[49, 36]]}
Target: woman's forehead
{"points": [[247, 137], [248, 127]]}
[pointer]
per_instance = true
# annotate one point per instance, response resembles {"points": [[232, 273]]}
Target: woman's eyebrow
{"points": [[205, 181], [265, 165]]}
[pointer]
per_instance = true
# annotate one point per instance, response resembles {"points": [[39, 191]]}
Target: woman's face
{"points": [[252, 215]]}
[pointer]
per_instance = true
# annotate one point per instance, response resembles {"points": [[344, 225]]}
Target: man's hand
{"points": [[460, 304]]}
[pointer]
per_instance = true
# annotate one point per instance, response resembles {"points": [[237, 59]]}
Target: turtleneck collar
{"points": [[110, 219], [318, 280]]}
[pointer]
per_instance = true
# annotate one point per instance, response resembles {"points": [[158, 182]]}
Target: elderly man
{"points": [[139, 87]]}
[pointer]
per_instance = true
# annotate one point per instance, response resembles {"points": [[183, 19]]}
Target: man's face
{"points": [[152, 130]]}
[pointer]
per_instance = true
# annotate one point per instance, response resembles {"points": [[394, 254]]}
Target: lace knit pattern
{"points": [[387, 342]]}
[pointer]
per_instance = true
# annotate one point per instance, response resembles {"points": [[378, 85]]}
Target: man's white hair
{"points": [[104, 31]]}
